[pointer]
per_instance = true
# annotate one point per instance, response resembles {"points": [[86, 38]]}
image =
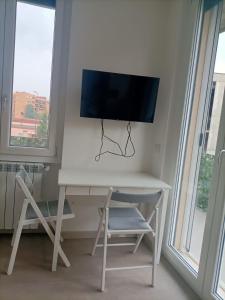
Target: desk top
{"points": [[93, 178]]}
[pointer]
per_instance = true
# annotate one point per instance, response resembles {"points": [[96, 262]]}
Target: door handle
{"points": [[220, 154], [4, 102]]}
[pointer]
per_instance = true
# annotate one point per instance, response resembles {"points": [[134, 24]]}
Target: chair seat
{"points": [[49, 210], [127, 218]]}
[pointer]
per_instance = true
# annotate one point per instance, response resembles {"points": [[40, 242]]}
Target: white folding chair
{"points": [[125, 221], [42, 212]]}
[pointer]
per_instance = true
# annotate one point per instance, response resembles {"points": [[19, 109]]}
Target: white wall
{"points": [[157, 156], [119, 36], [129, 36]]}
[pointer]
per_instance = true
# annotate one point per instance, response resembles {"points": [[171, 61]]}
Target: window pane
{"points": [[32, 75], [196, 228], [200, 156]]}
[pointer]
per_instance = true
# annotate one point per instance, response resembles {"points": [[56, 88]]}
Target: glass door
{"points": [[201, 143], [214, 281], [199, 163], [198, 171], [220, 280]]}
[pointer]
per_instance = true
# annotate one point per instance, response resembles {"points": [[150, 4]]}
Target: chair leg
{"points": [[97, 236], [104, 254], [17, 238], [139, 239], [154, 265], [50, 233], [53, 223], [14, 235]]}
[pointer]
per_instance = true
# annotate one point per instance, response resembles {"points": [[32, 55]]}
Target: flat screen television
{"points": [[116, 96]]}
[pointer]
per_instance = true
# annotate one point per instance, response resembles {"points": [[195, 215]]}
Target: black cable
{"points": [[129, 140], [122, 153]]}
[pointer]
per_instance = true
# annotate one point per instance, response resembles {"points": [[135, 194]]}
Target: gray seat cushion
{"points": [[53, 207], [126, 218], [48, 209], [30, 214]]}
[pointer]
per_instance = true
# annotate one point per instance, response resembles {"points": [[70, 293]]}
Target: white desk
{"points": [[70, 179]]}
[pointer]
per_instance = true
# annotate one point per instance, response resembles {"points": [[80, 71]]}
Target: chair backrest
{"points": [[152, 198], [25, 182]]}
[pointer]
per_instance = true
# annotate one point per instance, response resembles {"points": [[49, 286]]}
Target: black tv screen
{"points": [[115, 96]]}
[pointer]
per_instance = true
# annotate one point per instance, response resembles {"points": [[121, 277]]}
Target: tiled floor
{"points": [[33, 280]]}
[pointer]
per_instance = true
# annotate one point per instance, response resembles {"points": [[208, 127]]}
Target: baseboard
{"points": [[66, 234], [26, 231]]}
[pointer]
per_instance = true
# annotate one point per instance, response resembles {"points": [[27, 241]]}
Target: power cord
{"points": [[121, 152]]}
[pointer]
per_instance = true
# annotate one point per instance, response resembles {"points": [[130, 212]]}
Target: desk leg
{"points": [[58, 229], [162, 219]]}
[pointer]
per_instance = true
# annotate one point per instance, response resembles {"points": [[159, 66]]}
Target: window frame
{"points": [[51, 153], [217, 225], [194, 279], [199, 138]]}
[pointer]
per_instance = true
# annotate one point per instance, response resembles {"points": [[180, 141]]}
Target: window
{"points": [[29, 105], [188, 214], [201, 143], [195, 243]]}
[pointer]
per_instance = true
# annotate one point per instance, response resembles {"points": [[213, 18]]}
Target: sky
{"points": [[220, 55], [33, 49]]}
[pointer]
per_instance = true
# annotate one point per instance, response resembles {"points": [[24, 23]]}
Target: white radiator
{"points": [[11, 196]]}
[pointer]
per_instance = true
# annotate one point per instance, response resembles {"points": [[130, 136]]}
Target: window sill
{"points": [[29, 158]]}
